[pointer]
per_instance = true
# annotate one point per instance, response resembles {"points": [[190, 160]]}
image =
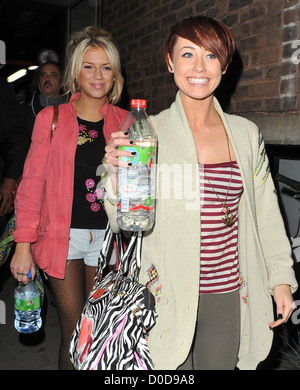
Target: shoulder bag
{"points": [[112, 330]]}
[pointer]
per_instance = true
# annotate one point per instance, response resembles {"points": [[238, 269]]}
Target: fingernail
{"points": [[131, 142], [126, 133], [280, 317], [129, 164], [133, 153]]}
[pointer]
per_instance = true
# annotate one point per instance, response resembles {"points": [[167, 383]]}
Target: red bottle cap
{"points": [[138, 103]]}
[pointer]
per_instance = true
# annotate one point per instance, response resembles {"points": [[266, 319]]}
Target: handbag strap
{"points": [[135, 263], [119, 245], [129, 261], [54, 121], [108, 237]]}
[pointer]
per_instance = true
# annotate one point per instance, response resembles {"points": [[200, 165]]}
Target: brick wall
{"points": [[264, 76]]}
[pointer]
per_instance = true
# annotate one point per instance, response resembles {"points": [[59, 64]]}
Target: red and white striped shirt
{"points": [[219, 265]]}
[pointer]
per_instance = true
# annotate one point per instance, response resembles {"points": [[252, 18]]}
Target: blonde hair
{"points": [[82, 41]]}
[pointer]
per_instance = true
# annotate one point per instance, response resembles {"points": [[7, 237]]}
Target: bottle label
{"points": [[136, 182], [27, 305], [143, 155]]}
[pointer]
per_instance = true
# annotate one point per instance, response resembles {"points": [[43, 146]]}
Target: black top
{"points": [[14, 141], [88, 208]]}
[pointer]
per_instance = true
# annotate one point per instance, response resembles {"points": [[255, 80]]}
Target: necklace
{"points": [[228, 217]]}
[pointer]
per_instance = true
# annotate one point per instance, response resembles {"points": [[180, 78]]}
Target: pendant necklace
{"points": [[228, 218]]}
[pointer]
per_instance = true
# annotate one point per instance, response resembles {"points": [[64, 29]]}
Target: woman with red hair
{"points": [[218, 251]]}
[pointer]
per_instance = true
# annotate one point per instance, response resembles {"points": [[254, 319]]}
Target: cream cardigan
{"points": [[171, 251]]}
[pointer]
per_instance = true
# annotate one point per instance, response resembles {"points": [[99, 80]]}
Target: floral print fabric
{"points": [[88, 211]]}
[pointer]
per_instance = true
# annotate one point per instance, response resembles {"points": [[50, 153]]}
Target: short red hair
{"points": [[205, 32]]}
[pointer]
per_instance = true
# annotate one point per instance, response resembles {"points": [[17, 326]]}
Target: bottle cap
{"points": [[138, 103]]}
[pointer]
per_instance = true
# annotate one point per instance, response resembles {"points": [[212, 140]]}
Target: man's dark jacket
{"points": [[14, 139]]}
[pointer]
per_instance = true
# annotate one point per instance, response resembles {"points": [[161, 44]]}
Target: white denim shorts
{"points": [[86, 244]]}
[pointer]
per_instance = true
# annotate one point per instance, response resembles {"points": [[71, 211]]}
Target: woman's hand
{"points": [[22, 262], [112, 153], [284, 304]]}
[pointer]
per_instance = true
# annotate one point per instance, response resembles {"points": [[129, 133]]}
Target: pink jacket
{"points": [[44, 200]]}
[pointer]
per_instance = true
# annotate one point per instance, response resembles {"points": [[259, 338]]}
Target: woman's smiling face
{"points": [[197, 71], [96, 77]]}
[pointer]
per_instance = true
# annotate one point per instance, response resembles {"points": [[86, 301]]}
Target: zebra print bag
{"points": [[111, 332]]}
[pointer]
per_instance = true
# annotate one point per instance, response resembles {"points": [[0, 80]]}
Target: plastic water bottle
{"points": [[27, 307], [136, 184]]}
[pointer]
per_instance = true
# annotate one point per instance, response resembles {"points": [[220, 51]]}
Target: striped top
{"points": [[219, 271]]}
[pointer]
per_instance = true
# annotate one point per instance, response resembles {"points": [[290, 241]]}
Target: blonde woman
{"points": [[60, 219]]}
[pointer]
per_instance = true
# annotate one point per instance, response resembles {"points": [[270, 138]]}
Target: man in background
{"points": [[48, 91]]}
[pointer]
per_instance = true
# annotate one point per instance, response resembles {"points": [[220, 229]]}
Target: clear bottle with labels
{"points": [[136, 183], [27, 301]]}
